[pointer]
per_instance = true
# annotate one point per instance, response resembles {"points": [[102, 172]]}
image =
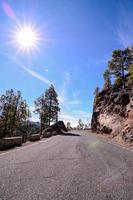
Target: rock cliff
{"points": [[113, 113]]}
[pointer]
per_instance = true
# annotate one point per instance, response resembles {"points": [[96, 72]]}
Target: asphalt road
{"points": [[81, 167]]}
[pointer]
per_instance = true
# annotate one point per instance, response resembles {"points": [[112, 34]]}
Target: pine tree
{"points": [[47, 107], [119, 64], [52, 104], [68, 125], [97, 90], [42, 110], [107, 81], [130, 78], [12, 113], [96, 93], [80, 124]]}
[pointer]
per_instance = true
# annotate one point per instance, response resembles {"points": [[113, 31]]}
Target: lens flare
{"points": [[8, 10]]}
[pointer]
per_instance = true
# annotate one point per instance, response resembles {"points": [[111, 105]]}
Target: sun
{"points": [[26, 38]]}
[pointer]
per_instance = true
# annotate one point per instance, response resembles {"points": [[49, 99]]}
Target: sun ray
{"points": [[26, 38]]}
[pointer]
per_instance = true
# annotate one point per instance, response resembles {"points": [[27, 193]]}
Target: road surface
{"points": [[72, 167]]}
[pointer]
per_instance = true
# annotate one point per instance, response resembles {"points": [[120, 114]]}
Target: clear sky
{"points": [[76, 38]]}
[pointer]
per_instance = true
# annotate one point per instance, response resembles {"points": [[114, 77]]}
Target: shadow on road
{"points": [[70, 134]]}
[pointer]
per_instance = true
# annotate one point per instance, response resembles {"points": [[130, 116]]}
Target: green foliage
{"points": [[13, 112], [120, 62], [68, 125], [80, 124], [52, 104], [42, 110], [118, 82], [97, 90], [96, 93], [120, 71], [97, 99], [48, 107], [107, 80], [130, 78]]}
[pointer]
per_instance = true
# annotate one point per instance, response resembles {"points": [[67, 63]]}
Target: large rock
{"points": [[34, 137], [94, 121], [127, 133], [54, 129], [110, 123], [113, 113]]}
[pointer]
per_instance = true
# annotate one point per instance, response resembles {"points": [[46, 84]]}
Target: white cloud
{"points": [[32, 108], [76, 94], [73, 122], [73, 102], [125, 28], [126, 38], [63, 96], [74, 116], [35, 118], [66, 116], [36, 75], [62, 91], [46, 70], [30, 71], [66, 104], [67, 113], [67, 77]]}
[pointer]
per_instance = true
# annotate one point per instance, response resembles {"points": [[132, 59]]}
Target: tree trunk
{"points": [[41, 125], [123, 75], [7, 117], [56, 117], [50, 111], [14, 117], [5, 127]]}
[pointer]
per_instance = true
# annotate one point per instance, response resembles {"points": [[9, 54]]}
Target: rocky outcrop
{"points": [[34, 137], [113, 113], [55, 129], [127, 132]]}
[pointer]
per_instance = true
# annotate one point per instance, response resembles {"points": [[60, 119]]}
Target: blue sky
{"points": [[77, 38]]}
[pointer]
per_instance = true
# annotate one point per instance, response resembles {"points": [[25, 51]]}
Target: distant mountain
{"points": [[35, 125]]}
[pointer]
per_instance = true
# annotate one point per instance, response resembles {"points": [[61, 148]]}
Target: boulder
{"points": [[55, 129], [34, 137], [47, 134]]}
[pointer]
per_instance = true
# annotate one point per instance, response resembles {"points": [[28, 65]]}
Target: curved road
{"points": [[69, 167]]}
